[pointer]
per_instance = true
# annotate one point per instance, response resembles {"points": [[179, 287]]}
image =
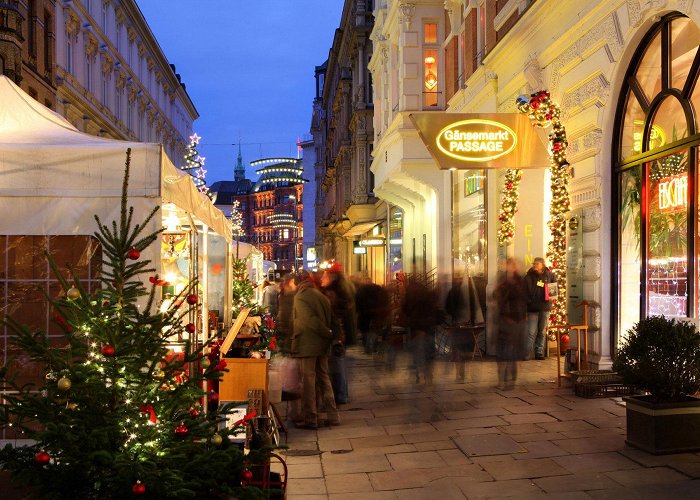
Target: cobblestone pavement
{"points": [[447, 440]]}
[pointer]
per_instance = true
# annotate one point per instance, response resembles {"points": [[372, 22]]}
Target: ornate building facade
{"points": [[97, 63], [625, 75], [113, 80], [27, 47], [342, 127]]}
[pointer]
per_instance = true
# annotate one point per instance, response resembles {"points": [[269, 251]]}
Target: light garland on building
{"points": [[194, 164], [543, 112], [509, 205]]}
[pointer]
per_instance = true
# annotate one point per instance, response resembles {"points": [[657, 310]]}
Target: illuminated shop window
{"points": [[656, 164]]}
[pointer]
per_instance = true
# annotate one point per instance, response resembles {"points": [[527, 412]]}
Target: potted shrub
{"points": [[661, 357]]}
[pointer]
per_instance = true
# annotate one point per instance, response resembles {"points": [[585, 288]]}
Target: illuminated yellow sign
{"points": [[673, 193], [462, 141], [476, 140]]}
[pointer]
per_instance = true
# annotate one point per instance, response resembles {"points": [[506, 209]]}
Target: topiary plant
{"points": [[661, 356]]}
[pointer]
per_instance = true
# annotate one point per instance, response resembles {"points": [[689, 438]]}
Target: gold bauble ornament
{"points": [[205, 362], [216, 439], [159, 374], [73, 293], [64, 384]]}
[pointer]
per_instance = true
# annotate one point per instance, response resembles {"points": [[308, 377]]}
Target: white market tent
{"points": [[54, 178]]}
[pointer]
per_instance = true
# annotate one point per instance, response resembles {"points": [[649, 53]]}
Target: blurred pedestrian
{"points": [[511, 300], [419, 308], [284, 318], [341, 294], [373, 313], [311, 342], [269, 297], [539, 281]]}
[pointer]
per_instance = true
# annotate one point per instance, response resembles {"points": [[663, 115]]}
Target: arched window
{"points": [[655, 175]]}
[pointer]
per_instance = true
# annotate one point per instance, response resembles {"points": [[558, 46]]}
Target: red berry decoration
{"points": [[133, 254], [181, 431], [138, 489], [42, 458], [190, 328], [247, 475], [107, 350], [191, 299]]}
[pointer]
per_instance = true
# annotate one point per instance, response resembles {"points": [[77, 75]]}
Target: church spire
{"points": [[239, 172]]}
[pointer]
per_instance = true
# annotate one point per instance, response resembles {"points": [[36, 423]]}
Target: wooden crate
{"points": [[243, 374]]}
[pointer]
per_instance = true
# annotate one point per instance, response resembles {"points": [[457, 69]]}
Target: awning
{"points": [[362, 227]]}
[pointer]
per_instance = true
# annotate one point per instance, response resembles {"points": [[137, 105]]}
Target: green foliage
{"points": [[243, 290], [100, 433], [661, 356]]}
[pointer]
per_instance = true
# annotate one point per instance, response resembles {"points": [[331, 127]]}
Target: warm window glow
{"points": [[430, 33]]}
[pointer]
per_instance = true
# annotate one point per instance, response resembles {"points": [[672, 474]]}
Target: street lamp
{"points": [[296, 229]]}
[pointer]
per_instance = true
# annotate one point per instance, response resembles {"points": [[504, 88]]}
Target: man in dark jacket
{"points": [[539, 305], [311, 341]]}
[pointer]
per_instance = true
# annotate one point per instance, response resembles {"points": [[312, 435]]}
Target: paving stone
{"points": [[376, 441], [443, 492], [639, 477], [348, 483], [467, 423], [521, 469], [375, 495], [426, 436], [593, 444], [528, 418], [538, 436], [669, 491], [415, 460], [489, 444], [306, 471], [299, 486], [435, 445], [409, 428], [596, 462], [477, 430], [334, 444], [515, 429], [349, 432], [540, 449], [454, 456], [576, 482], [567, 426], [353, 463], [475, 412], [497, 489]]}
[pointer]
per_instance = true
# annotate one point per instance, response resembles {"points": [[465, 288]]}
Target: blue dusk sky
{"points": [[249, 70]]}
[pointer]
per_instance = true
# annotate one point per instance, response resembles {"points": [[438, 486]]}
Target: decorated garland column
{"points": [[509, 205], [545, 112]]}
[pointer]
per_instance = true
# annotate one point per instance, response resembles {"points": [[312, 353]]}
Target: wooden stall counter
{"points": [[243, 374]]}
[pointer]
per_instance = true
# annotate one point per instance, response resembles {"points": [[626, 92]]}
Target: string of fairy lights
{"points": [[194, 164], [544, 112]]}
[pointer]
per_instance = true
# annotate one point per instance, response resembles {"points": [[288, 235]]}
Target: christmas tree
{"points": [[194, 164], [119, 413]]}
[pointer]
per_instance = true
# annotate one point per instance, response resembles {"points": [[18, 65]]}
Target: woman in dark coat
{"points": [[511, 300]]}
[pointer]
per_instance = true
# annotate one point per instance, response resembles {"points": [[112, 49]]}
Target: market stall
{"points": [[55, 179]]}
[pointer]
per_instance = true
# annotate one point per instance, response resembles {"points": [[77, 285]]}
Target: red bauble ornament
{"points": [[139, 488], [194, 413], [42, 458], [181, 431], [107, 350], [213, 397], [190, 328], [133, 254], [247, 475], [191, 299], [565, 339]]}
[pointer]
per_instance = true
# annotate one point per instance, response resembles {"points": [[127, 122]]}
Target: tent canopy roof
{"points": [[43, 156]]}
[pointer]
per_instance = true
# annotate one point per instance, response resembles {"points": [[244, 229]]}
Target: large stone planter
{"points": [[662, 428]]}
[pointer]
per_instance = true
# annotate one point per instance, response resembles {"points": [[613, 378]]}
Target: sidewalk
{"points": [[448, 440]]}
